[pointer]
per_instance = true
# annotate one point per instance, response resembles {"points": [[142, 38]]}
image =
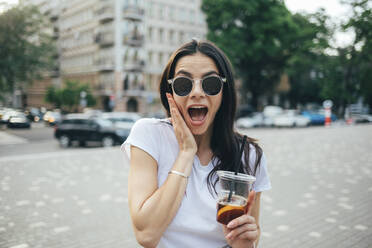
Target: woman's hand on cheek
{"points": [[184, 136]]}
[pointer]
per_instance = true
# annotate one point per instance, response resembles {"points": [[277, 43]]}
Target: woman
{"points": [[173, 162]]}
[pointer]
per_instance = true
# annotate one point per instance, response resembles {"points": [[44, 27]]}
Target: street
{"points": [[77, 197]]}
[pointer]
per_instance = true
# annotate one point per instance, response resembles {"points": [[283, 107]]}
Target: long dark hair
{"points": [[225, 142]]}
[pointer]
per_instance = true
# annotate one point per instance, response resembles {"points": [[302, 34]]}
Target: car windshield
{"points": [[121, 119], [104, 123]]}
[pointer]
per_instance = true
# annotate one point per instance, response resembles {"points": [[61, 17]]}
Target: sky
{"points": [[334, 8]]}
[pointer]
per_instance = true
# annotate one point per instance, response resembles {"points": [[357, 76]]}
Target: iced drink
{"points": [[232, 196]]}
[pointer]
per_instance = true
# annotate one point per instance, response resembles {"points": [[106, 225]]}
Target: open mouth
{"points": [[198, 113]]}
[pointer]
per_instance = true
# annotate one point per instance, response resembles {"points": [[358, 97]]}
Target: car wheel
{"points": [[82, 143], [107, 141], [64, 141]]}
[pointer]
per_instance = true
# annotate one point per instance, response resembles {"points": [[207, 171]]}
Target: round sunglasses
{"points": [[183, 85]]}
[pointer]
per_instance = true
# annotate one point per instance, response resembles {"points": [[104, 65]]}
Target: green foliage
{"points": [[360, 54], [68, 97], [257, 36], [26, 47], [307, 65]]}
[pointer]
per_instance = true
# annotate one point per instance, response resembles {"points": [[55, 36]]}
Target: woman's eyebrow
{"points": [[188, 74], [210, 73]]}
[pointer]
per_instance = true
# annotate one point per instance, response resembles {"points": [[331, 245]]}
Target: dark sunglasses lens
{"points": [[182, 86], [212, 85]]}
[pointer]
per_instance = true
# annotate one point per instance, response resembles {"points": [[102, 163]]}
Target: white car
{"points": [[121, 119], [256, 120], [290, 118], [269, 113]]}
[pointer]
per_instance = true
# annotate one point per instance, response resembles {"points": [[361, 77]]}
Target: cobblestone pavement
{"points": [[321, 196]]}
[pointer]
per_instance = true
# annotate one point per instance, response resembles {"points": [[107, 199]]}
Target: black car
{"points": [[82, 129]]}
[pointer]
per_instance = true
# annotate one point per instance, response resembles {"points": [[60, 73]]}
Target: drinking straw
{"points": [[237, 167]]}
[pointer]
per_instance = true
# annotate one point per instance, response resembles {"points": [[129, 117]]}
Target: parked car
{"points": [[34, 114], [362, 118], [82, 128], [121, 119], [7, 113], [317, 117], [269, 113], [290, 118], [18, 120], [52, 117], [254, 120]]}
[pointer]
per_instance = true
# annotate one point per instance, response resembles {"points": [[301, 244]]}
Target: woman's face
{"points": [[197, 108]]}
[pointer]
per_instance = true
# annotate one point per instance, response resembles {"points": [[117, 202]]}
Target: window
{"points": [[150, 57], [161, 35], [171, 36], [150, 33], [161, 58]]}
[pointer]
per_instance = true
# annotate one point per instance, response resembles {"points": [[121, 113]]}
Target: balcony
{"points": [[105, 14], [104, 65], [54, 72], [54, 14], [134, 66], [133, 39], [105, 39], [133, 13], [55, 34]]}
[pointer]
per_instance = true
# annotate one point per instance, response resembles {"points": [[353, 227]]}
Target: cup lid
{"points": [[239, 177]]}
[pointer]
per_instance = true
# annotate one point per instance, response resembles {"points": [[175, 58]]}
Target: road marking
{"points": [[61, 229], [330, 220], [282, 228], [86, 211], [105, 198], [22, 203], [342, 227], [37, 224], [361, 227], [20, 246], [49, 155], [315, 234]]}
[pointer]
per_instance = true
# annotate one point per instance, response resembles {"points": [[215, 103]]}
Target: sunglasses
{"points": [[211, 85]]}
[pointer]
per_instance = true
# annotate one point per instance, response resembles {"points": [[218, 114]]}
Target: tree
{"points": [[26, 47], [68, 97], [257, 36], [307, 65], [360, 53]]}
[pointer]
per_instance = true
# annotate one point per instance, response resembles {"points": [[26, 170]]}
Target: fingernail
{"points": [[228, 236], [230, 225]]}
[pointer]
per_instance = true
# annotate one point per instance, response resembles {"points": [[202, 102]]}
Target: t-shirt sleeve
{"points": [[144, 136], [262, 182]]}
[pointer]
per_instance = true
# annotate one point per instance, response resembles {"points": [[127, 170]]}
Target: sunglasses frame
{"points": [[223, 80]]}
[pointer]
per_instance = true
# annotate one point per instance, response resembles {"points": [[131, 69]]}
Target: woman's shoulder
{"points": [[151, 122]]}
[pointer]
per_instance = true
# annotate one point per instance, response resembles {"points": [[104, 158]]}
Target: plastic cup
{"points": [[232, 195]]}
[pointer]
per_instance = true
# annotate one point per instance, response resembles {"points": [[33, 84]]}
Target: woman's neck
{"points": [[203, 142]]}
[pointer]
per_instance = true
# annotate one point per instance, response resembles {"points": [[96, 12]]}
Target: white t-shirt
{"points": [[195, 223]]}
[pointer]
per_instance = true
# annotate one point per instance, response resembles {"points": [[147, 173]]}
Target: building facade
{"points": [[118, 47]]}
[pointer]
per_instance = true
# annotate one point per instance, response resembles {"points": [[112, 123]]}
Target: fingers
{"points": [[244, 219], [175, 114], [243, 227], [250, 201], [247, 231]]}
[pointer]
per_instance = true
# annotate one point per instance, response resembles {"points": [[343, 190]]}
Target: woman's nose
{"points": [[197, 89]]}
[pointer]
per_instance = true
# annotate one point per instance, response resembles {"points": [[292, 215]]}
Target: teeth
{"points": [[197, 107]]}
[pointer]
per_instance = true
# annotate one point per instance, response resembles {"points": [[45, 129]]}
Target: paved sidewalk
{"points": [[321, 196], [9, 139]]}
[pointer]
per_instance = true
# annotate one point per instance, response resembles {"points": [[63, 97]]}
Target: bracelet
{"points": [[178, 173]]}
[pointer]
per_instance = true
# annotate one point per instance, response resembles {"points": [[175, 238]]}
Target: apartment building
{"points": [[118, 47]]}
